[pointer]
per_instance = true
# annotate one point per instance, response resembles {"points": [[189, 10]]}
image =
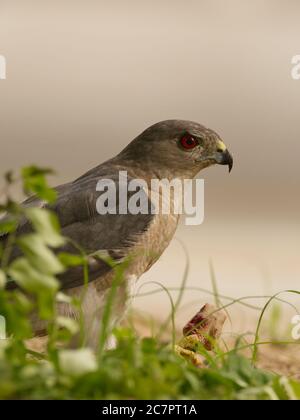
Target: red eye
{"points": [[188, 141]]}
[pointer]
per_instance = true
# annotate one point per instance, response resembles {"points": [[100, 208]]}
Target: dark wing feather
{"points": [[111, 234]]}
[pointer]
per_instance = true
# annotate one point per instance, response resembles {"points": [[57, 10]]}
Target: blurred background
{"points": [[85, 77]]}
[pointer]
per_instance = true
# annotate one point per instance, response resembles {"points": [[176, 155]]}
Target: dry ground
{"points": [[284, 360]]}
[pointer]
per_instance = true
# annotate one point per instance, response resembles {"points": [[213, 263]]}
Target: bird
{"points": [[167, 150]]}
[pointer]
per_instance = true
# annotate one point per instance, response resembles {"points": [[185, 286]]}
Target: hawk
{"points": [[167, 150]]}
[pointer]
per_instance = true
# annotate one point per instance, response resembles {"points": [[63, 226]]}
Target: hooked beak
{"points": [[223, 157]]}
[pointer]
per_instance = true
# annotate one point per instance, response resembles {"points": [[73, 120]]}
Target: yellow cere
{"points": [[221, 146]]}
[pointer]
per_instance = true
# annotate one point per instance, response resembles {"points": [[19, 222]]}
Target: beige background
{"points": [[85, 77]]}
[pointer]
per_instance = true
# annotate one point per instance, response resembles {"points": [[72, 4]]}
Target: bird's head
{"points": [[179, 148]]}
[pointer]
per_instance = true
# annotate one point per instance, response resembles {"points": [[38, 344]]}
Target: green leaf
{"points": [[30, 279], [7, 226], [45, 306], [9, 207], [77, 362], [46, 224], [67, 323], [296, 388], [71, 260], [288, 388], [36, 171], [23, 302], [39, 255], [34, 181], [2, 279], [63, 298]]}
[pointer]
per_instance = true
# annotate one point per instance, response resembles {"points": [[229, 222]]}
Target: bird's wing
{"points": [[108, 234]]}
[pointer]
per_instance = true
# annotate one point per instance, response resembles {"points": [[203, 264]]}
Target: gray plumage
{"points": [[157, 153]]}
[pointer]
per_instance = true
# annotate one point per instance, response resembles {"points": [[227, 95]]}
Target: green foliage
{"points": [[136, 368], [34, 181]]}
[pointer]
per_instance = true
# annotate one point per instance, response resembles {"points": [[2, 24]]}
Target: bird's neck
{"points": [[147, 171]]}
